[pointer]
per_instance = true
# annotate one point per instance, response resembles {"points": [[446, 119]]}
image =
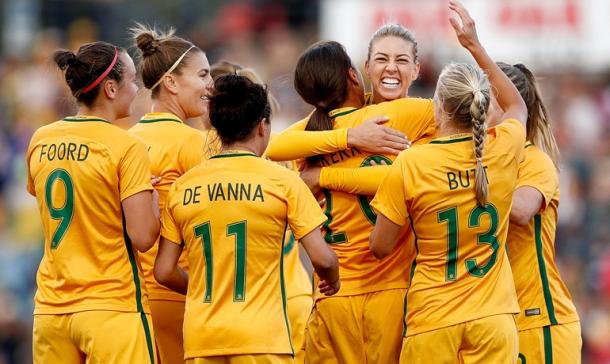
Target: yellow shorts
{"points": [[243, 359], [167, 318], [551, 344], [364, 328], [299, 309], [94, 337], [492, 339]]}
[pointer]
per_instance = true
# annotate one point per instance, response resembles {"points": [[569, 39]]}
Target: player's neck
{"points": [[241, 147], [355, 98], [99, 111], [448, 129], [169, 106]]}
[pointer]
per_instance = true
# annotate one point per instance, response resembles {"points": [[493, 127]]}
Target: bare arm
{"points": [[167, 272], [141, 212], [324, 261], [506, 93], [384, 237], [527, 202]]}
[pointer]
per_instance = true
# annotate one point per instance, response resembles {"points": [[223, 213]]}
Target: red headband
{"points": [[104, 74]]}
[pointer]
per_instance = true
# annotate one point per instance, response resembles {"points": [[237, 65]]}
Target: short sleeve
{"points": [[412, 116], [192, 151], [134, 170], [510, 135], [304, 212], [538, 171], [391, 199], [169, 229], [30, 186]]}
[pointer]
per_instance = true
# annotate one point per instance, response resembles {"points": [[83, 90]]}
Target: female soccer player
{"points": [[299, 293], [549, 327], [92, 183], [178, 75], [231, 213], [349, 327], [456, 194], [392, 63]]}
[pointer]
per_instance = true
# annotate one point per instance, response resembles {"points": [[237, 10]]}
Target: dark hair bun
{"points": [[237, 106], [147, 43], [65, 58]]}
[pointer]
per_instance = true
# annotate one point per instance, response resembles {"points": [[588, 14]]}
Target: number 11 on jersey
{"points": [[239, 231]]}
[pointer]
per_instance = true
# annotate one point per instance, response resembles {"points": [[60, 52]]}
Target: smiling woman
{"points": [[178, 75], [392, 63]]}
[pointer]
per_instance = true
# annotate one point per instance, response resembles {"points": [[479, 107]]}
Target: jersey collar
{"points": [[153, 117], [233, 153], [77, 118], [342, 111], [455, 138]]}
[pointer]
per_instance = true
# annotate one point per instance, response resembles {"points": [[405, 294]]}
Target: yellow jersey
{"points": [[462, 272], [232, 212], [173, 148], [543, 297], [298, 281], [80, 169], [350, 218]]}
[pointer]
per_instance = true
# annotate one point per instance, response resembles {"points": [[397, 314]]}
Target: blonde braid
{"points": [[478, 111]]}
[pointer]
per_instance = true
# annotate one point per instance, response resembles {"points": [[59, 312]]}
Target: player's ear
{"points": [[262, 127], [170, 83], [110, 88]]}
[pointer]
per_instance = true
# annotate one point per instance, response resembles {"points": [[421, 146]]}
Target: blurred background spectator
{"points": [[553, 37]]}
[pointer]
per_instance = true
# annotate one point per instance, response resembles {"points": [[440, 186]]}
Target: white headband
{"points": [[173, 67]]}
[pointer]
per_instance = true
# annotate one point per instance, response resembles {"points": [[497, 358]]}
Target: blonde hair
{"points": [[393, 30], [463, 93], [538, 126]]}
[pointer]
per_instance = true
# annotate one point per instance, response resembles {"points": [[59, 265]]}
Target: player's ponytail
{"points": [[463, 94], [160, 53], [539, 130], [321, 79], [86, 69]]}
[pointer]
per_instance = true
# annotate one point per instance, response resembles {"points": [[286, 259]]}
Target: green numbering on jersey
{"points": [[451, 217], [239, 230], [65, 213], [365, 206]]}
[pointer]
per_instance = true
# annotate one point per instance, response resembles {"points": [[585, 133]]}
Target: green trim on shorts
{"points": [[548, 345], [149, 344]]}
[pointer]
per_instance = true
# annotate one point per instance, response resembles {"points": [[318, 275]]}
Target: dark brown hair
{"points": [[321, 78], [237, 106], [85, 66], [539, 130], [158, 53]]}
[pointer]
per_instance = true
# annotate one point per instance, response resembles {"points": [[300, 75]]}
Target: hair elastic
{"points": [[104, 74], [173, 67]]}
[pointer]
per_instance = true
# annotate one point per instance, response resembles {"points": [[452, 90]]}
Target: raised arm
{"points": [[506, 93]]}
